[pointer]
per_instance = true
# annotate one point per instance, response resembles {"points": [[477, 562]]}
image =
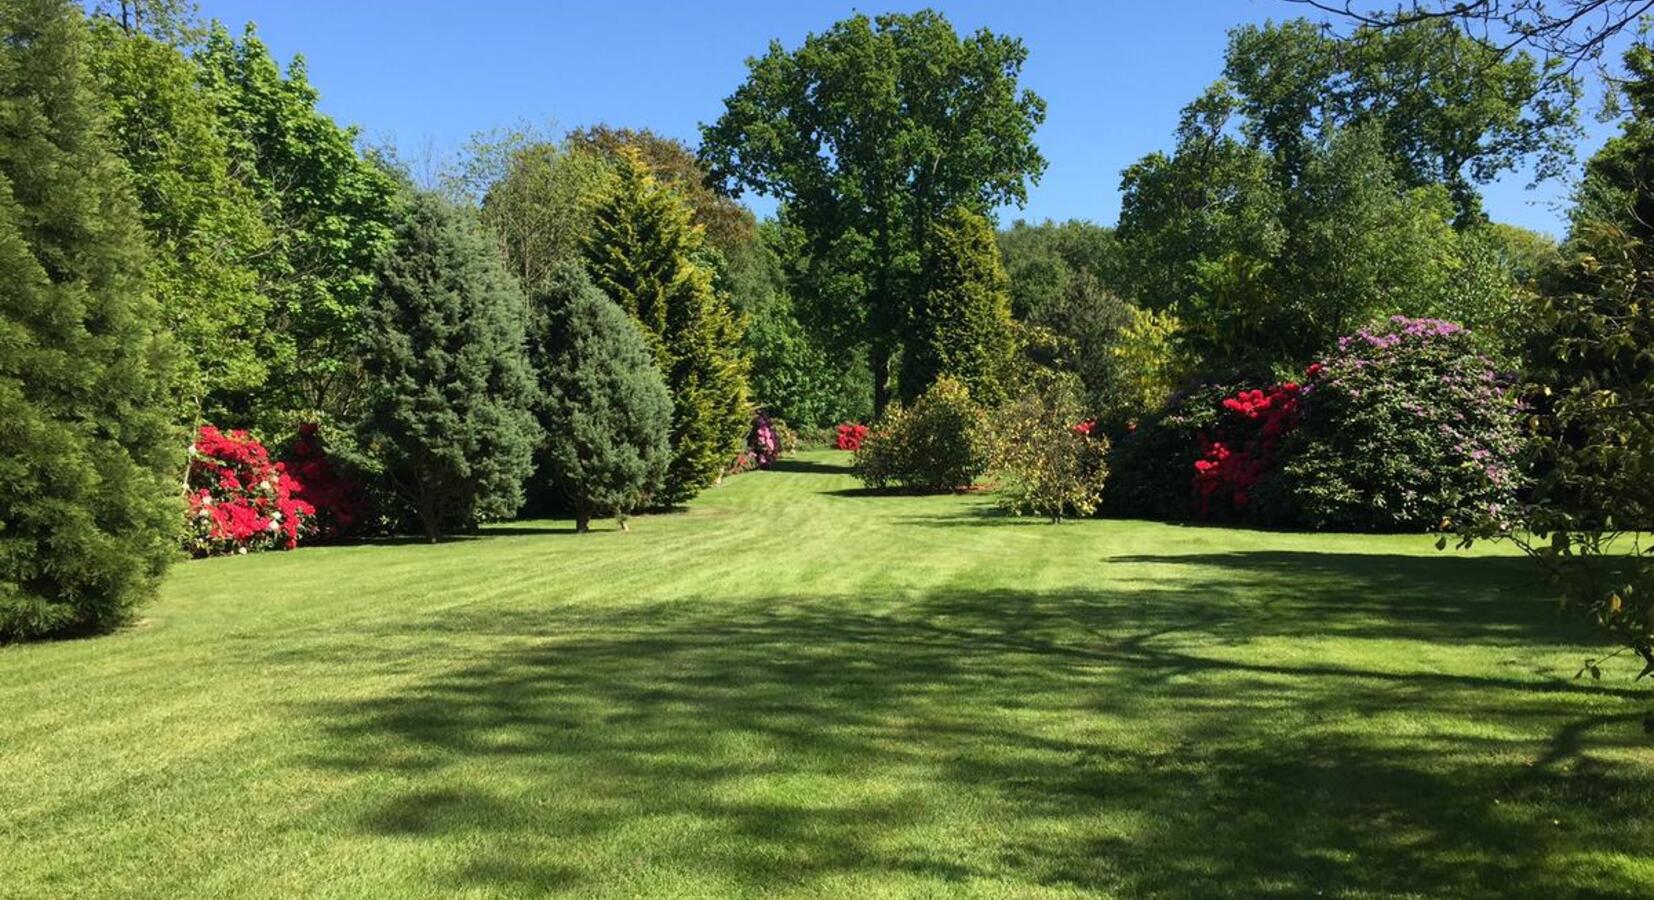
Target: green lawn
{"points": [[797, 689]]}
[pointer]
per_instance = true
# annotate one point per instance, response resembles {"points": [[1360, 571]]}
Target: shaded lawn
{"points": [[794, 690]]}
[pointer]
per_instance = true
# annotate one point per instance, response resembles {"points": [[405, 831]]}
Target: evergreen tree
{"points": [[604, 407], [202, 221], [89, 463], [450, 401], [644, 253], [961, 324]]}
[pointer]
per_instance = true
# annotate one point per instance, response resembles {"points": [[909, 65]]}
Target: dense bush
{"points": [[1242, 449], [1051, 462], [938, 444], [1151, 463], [763, 441], [239, 499], [340, 502], [1406, 427], [850, 436]]}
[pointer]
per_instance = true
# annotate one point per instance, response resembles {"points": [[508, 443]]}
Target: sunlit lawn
{"points": [[797, 689]]}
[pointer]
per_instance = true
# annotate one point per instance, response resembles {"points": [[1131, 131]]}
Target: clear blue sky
{"points": [[428, 73]]}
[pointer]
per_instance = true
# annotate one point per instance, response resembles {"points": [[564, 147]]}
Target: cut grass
{"points": [[795, 689]]}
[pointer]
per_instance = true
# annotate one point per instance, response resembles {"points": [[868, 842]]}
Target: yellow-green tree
{"points": [[644, 253]]}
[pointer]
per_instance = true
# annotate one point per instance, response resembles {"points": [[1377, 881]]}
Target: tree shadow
{"points": [[807, 467], [1127, 741]]}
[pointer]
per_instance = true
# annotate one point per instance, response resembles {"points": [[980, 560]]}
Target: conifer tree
{"points": [[961, 324], [89, 462], [450, 404], [604, 406], [644, 253]]}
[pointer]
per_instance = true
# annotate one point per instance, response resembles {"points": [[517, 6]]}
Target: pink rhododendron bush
{"points": [[239, 499]]}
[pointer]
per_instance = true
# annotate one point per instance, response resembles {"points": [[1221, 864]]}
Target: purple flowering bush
{"points": [[763, 441], [1407, 426]]}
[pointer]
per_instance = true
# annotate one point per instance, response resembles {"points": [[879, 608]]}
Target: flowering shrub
{"points": [[763, 443], [1242, 448], [851, 435], [1406, 426], [1049, 463], [1150, 464], [238, 499], [939, 444], [339, 502]]}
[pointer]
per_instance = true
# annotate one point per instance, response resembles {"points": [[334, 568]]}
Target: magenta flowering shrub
{"points": [[763, 442], [1407, 426]]}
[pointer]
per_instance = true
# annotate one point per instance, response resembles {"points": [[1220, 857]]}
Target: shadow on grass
{"points": [[1134, 741], [805, 466]]}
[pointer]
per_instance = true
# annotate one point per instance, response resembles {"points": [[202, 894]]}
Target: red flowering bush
{"points": [[1243, 448], [850, 436], [339, 502], [239, 500]]}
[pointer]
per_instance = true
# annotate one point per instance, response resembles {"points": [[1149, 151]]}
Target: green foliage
{"points": [[451, 394], [1407, 426], [868, 133], [1049, 461], [536, 198], [726, 223], [604, 409], [644, 253], [941, 443], [961, 324], [1454, 110], [1151, 463], [202, 221], [90, 467], [1593, 439], [1145, 367], [1044, 260], [331, 213]]}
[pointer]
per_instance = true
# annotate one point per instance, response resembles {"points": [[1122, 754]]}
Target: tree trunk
{"points": [[878, 359], [582, 518], [428, 515]]}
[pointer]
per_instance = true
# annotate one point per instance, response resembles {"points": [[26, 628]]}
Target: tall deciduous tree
{"points": [[869, 132], [644, 253], [89, 463], [331, 211], [202, 221], [450, 404], [961, 325], [604, 407]]}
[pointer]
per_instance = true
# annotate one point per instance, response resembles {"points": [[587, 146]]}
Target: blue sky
{"points": [[425, 74]]}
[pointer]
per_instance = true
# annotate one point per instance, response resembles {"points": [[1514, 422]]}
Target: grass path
{"points": [[794, 689]]}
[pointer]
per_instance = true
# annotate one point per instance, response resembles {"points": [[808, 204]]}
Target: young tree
{"points": [[203, 221], [450, 403], [645, 255], [868, 133], [604, 407], [961, 324], [1044, 449], [331, 211], [90, 466]]}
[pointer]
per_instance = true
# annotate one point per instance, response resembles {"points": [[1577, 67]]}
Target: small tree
{"points": [[449, 411], [1050, 461], [645, 255], [605, 409], [90, 467], [961, 325]]}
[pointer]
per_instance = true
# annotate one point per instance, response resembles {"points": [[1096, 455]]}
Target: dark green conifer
{"points": [[604, 408], [450, 403], [961, 324], [89, 462]]}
